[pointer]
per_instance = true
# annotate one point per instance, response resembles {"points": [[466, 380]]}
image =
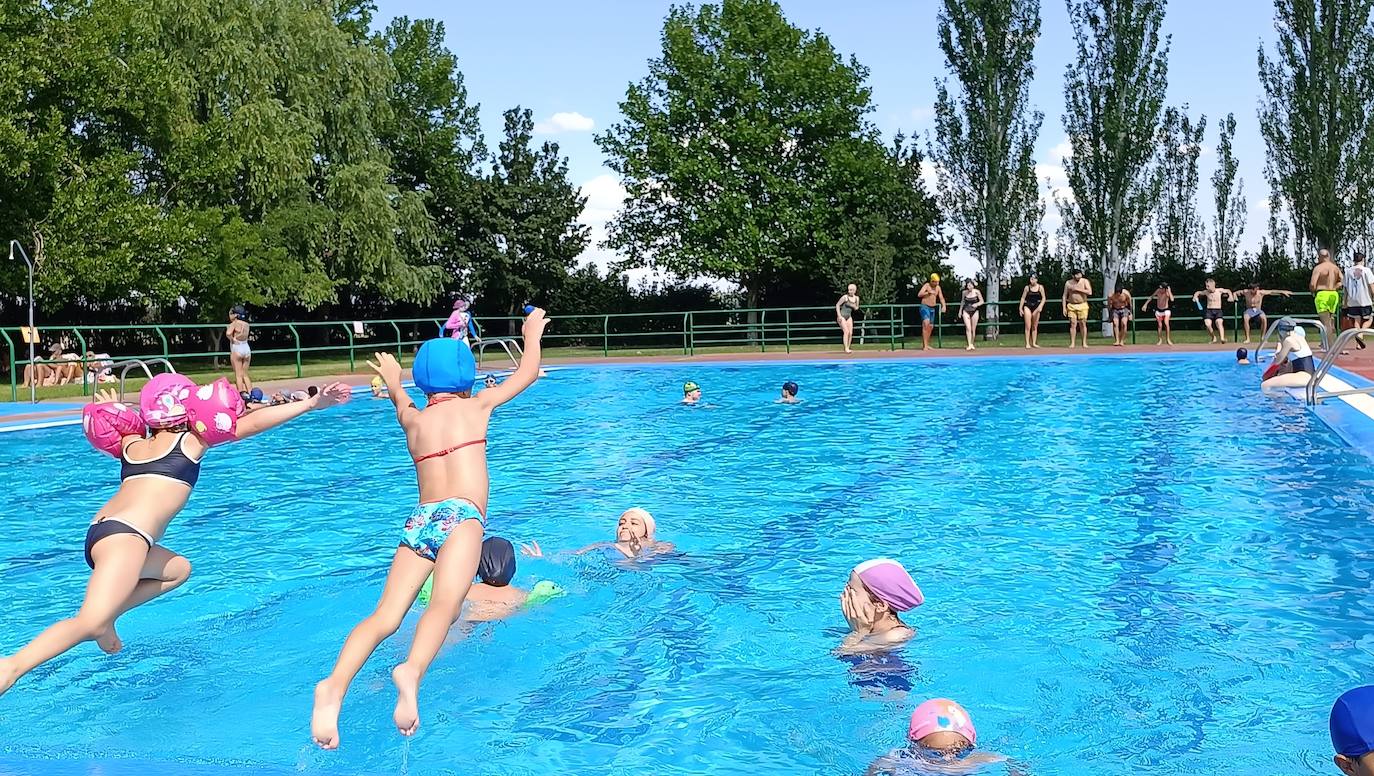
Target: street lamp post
{"points": [[33, 384]]}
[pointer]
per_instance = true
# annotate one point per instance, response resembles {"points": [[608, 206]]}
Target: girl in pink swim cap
{"points": [[877, 590], [940, 739]]}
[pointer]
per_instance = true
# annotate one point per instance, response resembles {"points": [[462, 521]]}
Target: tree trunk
{"points": [[751, 297], [1109, 278], [992, 296]]}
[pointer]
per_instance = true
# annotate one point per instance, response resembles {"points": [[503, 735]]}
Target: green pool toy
{"points": [[426, 590], [544, 592]]}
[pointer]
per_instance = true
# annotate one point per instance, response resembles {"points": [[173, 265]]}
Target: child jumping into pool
{"points": [[129, 566], [443, 536]]}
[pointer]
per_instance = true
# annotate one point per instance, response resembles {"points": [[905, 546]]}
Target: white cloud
{"points": [[922, 115], [564, 122]]}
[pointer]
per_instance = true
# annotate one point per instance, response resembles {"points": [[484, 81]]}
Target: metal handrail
{"points": [[138, 362], [505, 343], [1314, 396], [1326, 340]]}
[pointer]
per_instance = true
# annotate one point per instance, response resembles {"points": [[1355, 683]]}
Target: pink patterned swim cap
{"points": [[162, 401]]}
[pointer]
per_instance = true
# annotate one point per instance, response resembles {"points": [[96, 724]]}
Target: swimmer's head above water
{"points": [[942, 727], [496, 567], [789, 390], [445, 366], [1352, 731], [887, 582], [636, 528], [691, 392]]}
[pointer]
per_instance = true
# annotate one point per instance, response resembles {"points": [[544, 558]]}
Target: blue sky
{"points": [[570, 62]]}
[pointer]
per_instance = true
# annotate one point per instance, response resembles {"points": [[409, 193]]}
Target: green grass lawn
{"points": [[268, 368]]}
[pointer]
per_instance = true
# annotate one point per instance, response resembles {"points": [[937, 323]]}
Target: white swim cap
{"points": [[1298, 330]]}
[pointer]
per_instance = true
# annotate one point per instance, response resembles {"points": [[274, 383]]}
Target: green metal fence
{"points": [[188, 346]]}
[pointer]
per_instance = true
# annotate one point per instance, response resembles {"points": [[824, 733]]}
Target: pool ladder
{"points": [[142, 363], [509, 344], [1314, 395], [1326, 340]]}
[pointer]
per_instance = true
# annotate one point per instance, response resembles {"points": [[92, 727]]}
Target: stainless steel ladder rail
{"points": [[1326, 340], [142, 363], [1315, 396], [506, 344]]}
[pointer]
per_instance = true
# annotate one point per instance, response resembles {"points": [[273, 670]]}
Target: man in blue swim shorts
{"points": [[930, 295]]}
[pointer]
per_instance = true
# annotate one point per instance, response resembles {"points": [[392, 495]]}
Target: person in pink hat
{"points": [[940, 739], [877, 591]]}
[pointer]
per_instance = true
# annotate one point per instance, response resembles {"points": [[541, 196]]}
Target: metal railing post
{"points": [[397, 327], [787, 329], [606, 336], [14, 375], [297, 335], [352, 356], [81, 344], [763, 331], [33, 331]]}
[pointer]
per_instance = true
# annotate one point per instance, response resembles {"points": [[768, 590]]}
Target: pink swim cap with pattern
{"points": [[940, 715]]}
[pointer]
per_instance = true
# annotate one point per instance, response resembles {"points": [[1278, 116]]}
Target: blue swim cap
{"points": [[444, 366]]}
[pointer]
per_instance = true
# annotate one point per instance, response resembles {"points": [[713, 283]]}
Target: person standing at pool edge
{"points": [[1254, 299], [1032, 302], [844, 312], [1162, 299], [443, 536], [969, 304], [239, 353], [930, 295], [1352, 731], [1213, 317], [1324, 285], [1359, 301], [1120, 304], [1075, 300], [129, 565]]}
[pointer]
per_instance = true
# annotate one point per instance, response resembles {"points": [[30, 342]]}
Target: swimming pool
{"points": [[1131, 564]]}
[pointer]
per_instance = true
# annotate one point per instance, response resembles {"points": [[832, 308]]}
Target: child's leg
{"points": [[119, 561], [408, 574], [453, 572], [163, 572]]}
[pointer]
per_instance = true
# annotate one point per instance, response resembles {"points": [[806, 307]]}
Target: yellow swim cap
{"points": [[377, 381], [934, 278]]}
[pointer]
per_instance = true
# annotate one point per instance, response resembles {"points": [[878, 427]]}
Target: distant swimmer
{"points": [[876, 591], [941, 739], [635, 538], [691, 392], [789, 393]]}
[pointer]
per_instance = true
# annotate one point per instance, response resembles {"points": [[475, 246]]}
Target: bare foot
{"points": [[109, 641], [407, 716], [324, 720], [1035, 346], [9, 673]]}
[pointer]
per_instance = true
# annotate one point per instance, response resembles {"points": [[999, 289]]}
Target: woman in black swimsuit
{"points": [[968, 311], [1032, 302]]}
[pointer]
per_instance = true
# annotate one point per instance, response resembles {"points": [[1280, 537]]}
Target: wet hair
{"points": [[1242, 354], [790, 387], [312, 391]]}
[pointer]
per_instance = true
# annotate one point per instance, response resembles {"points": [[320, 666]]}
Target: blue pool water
{"points": [[1131, 565]]}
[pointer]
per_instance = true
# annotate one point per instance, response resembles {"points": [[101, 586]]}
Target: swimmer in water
{"points": [[1351, 724], [1296, 366], [691, 392], [634, 538], [378, 388], [443, 535], [490, 382], [940, 740], [789, 393], [877, 590], [1242, 356], [492, 597]]}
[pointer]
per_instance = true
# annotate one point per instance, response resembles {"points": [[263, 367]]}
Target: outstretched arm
{"points": [[528, 371], [261, 420]]}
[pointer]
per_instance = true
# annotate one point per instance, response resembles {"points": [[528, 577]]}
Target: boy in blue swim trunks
{"points": [[443, 536]]}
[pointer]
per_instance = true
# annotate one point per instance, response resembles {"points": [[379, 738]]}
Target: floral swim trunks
{"points": [[429, 525]]}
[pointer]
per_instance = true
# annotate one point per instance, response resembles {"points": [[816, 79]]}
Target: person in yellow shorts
{"points": [[1325, 284], [1075, 299]]}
